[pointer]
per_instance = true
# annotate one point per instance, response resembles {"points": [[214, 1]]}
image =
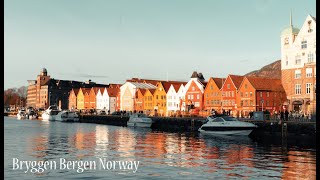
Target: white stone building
{"points": [[298, 65]]}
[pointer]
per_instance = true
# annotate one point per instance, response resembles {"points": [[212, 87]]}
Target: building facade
{"points": [[298, 66], [212, 94]]}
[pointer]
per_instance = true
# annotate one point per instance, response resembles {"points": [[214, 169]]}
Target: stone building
{"points": [[46, 91], [298, 66]]}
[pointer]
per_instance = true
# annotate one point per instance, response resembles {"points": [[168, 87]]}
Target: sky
{"points": [[109, 41]]}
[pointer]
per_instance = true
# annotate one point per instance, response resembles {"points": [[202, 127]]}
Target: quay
{"points": [[192, 124]]}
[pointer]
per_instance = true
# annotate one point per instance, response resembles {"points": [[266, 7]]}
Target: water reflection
{"points": [[183, 154]]}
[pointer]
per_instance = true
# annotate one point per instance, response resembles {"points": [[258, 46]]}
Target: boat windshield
{"points": [[141, 115], [227, 118]]}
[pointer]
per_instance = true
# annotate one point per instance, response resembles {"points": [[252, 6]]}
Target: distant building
{"points": [[298, 65], [46, 91], [194, 90]]}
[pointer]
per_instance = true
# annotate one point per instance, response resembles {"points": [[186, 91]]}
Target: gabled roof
{"points": [[112, 92], [76, 91], [143, 85], [143, 91], [152, 91], [219, 81], [114, 85], [86, 90], [236, 79], [266, 84], [176, 87]]}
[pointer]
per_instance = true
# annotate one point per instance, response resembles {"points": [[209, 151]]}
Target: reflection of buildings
{"points": [[300, 165], [126, 142], [85, 143], [102, 140], [38, 147], [239, 154]]}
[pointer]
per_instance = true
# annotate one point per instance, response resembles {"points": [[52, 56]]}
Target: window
{"points": [[211, 87], [246, 94], [298, 89], [298, 59], [228, 86], [308, 88], [250, 94], [212, 102], [246, 86], [251, 103], [267, 94], [207, 95], [193, 88], [310, 57], [191, 96], [267, 103], [232, 93], [297, 74], [309, 72], [303, 44], [188, 96], [241, 94], [241, 103], [156, 96], [198, 96], [260, 94]]}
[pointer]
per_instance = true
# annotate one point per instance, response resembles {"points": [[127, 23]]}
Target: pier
{"points": [[192, 124]]}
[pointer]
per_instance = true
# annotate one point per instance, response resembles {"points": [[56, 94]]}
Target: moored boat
{"points": [[67, 116], [21, 114], [139, 120], [50, 114], [226, 125]]}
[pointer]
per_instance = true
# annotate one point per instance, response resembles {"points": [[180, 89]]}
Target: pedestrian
{"points": [[286, 114], [281, 116]]}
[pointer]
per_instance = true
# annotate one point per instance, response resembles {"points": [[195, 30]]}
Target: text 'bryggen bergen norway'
{"points": [[78, 166]]}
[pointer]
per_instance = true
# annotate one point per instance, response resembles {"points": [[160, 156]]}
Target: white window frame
{"points": [[308, 88], [297, 89], [308, 72], [297, 74], [310, 57]]}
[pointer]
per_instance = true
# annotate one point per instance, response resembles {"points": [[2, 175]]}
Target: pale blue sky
{"points": [[111, 41]]}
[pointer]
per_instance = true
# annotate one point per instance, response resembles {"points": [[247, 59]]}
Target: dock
{"points": [[192, 124]]}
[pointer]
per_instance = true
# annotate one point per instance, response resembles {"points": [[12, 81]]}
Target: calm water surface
{"points": [[162, 155]]}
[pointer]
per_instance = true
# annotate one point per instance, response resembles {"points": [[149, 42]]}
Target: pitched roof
{"points": [[152, 91], [142, 91], [86, 90], [112, 92], [76, 91], [219, 81], [176, 87], [114, 85], [144, 85], [267, 84], [237, 80]]}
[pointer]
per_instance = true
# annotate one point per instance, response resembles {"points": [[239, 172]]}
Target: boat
{"points": [[50, 114], [226, 125], [21, 114], [139, 120], [31, 114], [67, 116]]}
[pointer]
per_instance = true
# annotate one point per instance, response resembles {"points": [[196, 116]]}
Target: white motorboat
{"points": [[67, 116], [50, 114], [226, 125], [21, 114], [139, 120]]}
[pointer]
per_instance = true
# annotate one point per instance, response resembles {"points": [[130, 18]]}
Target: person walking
{"points": [[286, 114]]}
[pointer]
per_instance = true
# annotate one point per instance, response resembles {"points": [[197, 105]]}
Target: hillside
{"points": [[272, 70]]}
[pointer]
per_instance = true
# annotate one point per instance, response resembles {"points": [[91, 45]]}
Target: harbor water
{"points": [[114, 152]]}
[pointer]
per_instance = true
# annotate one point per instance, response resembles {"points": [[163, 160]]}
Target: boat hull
{"points": [[139, 124], [227, 132], [47, 117]]}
